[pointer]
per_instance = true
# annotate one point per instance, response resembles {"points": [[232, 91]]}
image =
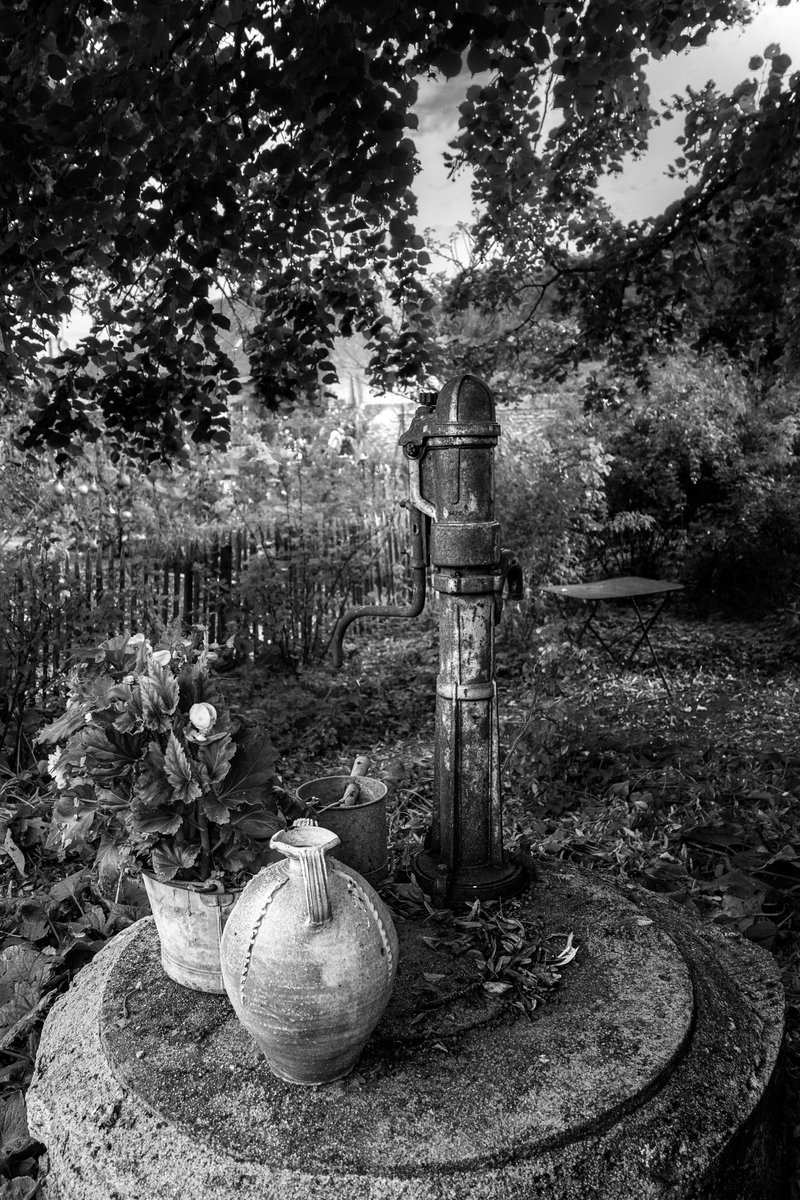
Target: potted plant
{"points": [[150, 764]]}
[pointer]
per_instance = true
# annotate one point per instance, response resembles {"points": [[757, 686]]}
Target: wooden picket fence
{"points": [[264, 585]]}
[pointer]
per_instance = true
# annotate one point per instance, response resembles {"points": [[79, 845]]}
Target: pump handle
{"points": [[419, 571]]}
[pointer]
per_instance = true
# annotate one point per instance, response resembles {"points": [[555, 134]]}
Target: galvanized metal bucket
{"points": [[190, 923], [361, 829]]}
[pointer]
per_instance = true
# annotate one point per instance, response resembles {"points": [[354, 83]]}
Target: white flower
{"points": [[53, 769], [162, 657], [202, 716], [88, 718], [136, 639], [129, 679]]}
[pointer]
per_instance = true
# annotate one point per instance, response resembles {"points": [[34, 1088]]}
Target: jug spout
{"points": [[306, 847]]}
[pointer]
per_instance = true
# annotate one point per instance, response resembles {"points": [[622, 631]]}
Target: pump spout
{"points": [[419, 571], [511, 574], [512, 585]]}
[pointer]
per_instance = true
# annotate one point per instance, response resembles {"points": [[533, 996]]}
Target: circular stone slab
{"points": [[644, 1075]]}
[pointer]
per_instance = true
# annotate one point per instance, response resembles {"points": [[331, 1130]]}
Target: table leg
{"points": [[645, 637], [590, 627]]}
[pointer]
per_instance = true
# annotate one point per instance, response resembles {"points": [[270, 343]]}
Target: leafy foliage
{"points": [[506, 957], [746, 561], [39, 609], [156, 152], [550, 492], [153, 766], [703, 482], [333, 531], [52, 924], [696, 799], [563, 281]]}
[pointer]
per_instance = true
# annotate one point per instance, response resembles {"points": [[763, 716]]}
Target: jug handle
{"points": [[313, 866]]}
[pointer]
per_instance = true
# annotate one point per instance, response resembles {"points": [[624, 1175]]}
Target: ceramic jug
{"points": [[309, 957]]}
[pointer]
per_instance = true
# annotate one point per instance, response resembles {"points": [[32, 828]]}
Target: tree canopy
{"points": [[154, 151], [719, 268]]}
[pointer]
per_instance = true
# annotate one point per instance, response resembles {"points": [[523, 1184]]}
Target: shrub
{"points": [[744, 557], [549, 499], [302, 578], [701, 485], [635, 543], [42, 617], [671, 452]]}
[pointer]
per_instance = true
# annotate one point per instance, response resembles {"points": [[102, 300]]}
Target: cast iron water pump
{"points": [[450, 449]]}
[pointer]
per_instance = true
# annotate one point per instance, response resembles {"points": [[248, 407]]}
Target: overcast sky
{"points": [[643, 190]]}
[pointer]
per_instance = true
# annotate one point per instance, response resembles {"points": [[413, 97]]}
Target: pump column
{"points": [[465, 857]]}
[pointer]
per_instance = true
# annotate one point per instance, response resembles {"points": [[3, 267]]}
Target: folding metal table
{"points": [[624, 587]]}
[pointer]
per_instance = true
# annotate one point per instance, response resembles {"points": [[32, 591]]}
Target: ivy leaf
{"points": [[251, 771], [160, 694], [178, 770], [175, 855]]}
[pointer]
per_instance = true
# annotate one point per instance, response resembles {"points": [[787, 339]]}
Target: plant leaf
{"points": [[66, 888], [170, 857], [215, 760], [108, 753], [195, 686], [14, 1135], [156, 820], [130, 716], [251, 771], [215, 810], [14, 853], [152, 789], [65, 725], [159, 691], [259, 823], [24, 973], [178, 770], [21, 1187]]}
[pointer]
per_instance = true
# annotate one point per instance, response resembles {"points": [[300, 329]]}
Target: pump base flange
{"points": [[491, 882]]}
